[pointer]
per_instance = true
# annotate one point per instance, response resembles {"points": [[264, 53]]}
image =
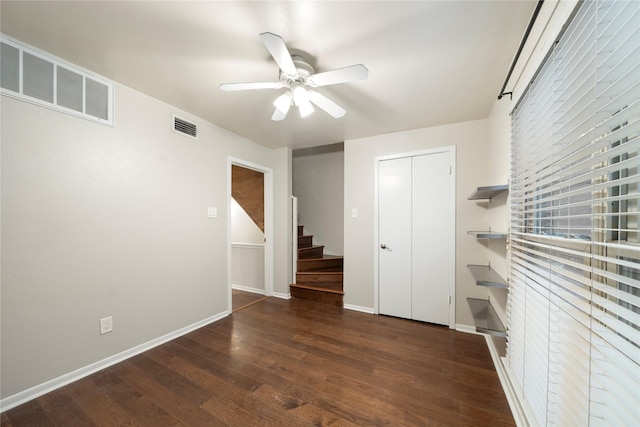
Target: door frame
{"points": [[268, 224], [452, 227]]}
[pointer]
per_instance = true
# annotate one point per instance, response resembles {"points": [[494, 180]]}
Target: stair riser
{"points": [[324, 264], [320, 279], [305, 241], [331, 287], [317, 296], [316, 252], [300, 230]]}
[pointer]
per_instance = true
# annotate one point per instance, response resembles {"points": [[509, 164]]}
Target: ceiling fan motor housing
{"points": [[303, 71]]}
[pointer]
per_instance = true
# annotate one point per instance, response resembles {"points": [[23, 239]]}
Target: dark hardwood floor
{"points": [[289, 363], [242, 299]]}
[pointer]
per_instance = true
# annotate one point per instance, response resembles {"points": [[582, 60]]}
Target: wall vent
{"points": [[38, 77], [184, 127]]}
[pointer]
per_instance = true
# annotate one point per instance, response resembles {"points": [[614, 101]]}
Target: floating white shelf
{"points": [[487, 276], [488, 192], [485, 318]]}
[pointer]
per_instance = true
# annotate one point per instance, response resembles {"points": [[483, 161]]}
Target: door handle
{"points": [[383, 246]]}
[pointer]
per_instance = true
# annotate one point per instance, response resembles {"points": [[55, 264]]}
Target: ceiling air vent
{"points": [[184, 127]]}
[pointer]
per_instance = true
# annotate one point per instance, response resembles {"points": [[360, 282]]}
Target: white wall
{"points": [[100, 221], [470, 139], [243, 229], [318, 183], [499, 166], [247, 251]]}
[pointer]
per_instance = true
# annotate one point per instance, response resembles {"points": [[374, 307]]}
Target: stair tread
{"points": [[320, 272], [311, 247], [317, 288], [325, 256]]}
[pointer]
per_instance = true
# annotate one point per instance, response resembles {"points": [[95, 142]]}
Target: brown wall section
{"points": [[247, 188]]}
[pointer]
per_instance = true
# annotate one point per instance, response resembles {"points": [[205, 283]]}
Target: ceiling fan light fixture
{"points": [[283, 102], [305, 108], [298, 77], [300, 94]]}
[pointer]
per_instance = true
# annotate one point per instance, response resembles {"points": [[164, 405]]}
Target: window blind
{"points": [[574, 303]]}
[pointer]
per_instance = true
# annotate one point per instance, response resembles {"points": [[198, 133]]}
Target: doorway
{"points": [[416, 236], [250, 250]]}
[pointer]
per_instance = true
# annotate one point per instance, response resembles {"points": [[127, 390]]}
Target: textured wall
{"points": [[104, 221]]}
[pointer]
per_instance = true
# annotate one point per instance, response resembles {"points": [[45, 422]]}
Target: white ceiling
{"points": [[430, 62]]}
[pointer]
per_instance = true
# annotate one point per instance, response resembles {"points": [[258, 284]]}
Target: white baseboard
{"points": [[281, 295], [515, 404], [48, 386], [367, 310], [519, 415], [248, 289], [467, 329]]}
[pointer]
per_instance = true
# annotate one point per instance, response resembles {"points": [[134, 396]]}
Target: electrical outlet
{"points": [[106, 325]]}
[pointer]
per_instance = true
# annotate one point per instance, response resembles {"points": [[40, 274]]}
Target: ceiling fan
{"points": [[297, 76]]}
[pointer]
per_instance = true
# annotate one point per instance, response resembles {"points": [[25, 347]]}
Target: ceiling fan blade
{"points": [[341, 75], [330, 107], [276, 47], [230, 87]]}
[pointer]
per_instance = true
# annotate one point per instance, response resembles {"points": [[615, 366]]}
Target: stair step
{"points": [[321, 295], [311, 252], [305, 241], [323, 279], [300, 230], [326, 263], [318, 278]]}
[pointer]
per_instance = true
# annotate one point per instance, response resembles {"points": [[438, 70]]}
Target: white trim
{"points": [[503, 374], [294, 235], [281, 295], [549, 24], [268, 224], [515, 404], [451, 149], [467, 329], [247, 289], [51, 385], [247, 245], [368, 310]]}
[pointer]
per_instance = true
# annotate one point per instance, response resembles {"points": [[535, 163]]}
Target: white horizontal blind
{"points": [[574, 304]]}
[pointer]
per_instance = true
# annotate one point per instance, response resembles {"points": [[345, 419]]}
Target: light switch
{"points": [[354, 213], [212, 212]]}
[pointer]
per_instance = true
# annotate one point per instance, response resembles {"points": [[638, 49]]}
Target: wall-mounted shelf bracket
{"points": [[487, 276], [485, 318], [488, 192], [487, 234]]}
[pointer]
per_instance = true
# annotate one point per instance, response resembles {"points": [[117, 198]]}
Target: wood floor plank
{"points": [[64, 411], [95, 402], [29, 414], [182, 403], [290, 363]]}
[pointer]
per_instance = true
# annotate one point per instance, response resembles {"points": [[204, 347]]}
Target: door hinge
{"points": [[450, 170], [449, 299]]}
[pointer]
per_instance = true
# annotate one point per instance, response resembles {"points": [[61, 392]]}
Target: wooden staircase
{"points": [[319, 276]]}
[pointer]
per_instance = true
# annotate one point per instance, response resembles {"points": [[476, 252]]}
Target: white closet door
{"points": [[431, 240], [394, 251], [415, 216]]}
